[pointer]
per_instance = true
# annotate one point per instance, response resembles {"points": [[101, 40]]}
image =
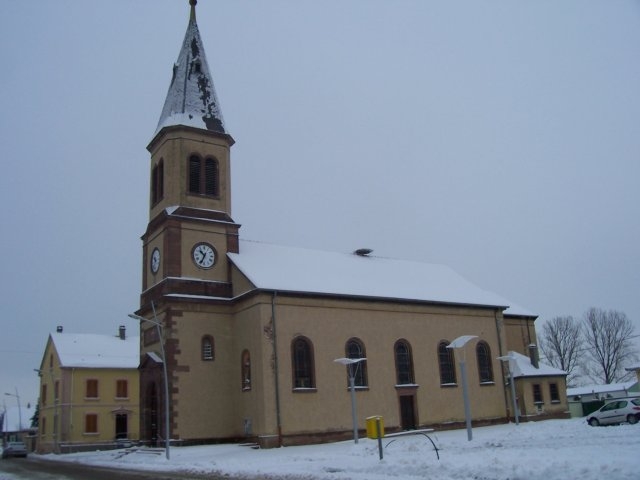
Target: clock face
{"points": [[155, 260], [204, 256]]}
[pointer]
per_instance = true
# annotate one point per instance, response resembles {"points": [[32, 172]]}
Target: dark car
{"points": [[618, 411], [14, 449]]}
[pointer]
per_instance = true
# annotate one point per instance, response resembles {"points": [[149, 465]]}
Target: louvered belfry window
{"points": [[211, 177], [157, 182], [203, 176]]}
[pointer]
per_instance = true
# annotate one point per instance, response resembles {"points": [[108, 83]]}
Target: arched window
{"points": [[485, 370], [302, 363], [207, 348], [404, 363], [157, 182], [355, 349], [245, 367], [447, 365], [203, 176]]}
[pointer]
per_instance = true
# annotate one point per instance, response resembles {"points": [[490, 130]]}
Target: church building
{"points": [[251, 331]]}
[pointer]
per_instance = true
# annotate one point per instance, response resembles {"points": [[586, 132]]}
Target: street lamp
{"points": [[19, 408], [509, 359], [459, 344], [352, 386], [164, 371]]}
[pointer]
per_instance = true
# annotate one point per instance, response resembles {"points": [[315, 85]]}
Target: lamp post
{"points": [[19, 408], [509, 358], [352, 386], [459, 344], [164, 371]]}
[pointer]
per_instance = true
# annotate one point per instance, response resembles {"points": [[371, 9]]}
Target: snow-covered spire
{"points": [[191, 99]]}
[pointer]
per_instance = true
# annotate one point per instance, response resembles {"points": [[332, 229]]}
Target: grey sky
{"points": [[500, 138]]}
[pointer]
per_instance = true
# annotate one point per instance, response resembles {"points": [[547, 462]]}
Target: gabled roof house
{"points": [[89, 391]]}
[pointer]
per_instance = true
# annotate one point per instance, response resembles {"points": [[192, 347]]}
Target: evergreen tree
{"points": [[36, 416]]}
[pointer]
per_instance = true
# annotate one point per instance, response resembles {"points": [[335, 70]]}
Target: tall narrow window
{"points": [[447, 365], [354, 349], [203, 176], [157, 182], [92, 388], [207, 348], [56, 390], [554, 395], [160, 180], [246, 371], [485, 370], [122, 389], [44, 394], [91, 423], [211, 177], [194, 174], [537, 393], [404, 363], [302, 363], [43, 426]]}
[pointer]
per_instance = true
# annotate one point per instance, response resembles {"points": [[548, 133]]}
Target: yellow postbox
{"points": [[375, 427]]}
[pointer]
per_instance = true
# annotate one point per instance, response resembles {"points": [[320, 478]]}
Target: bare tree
{"points": [[561, 343], [608, 336]]}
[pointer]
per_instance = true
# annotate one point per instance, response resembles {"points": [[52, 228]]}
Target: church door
{"points": [[407, 412]]}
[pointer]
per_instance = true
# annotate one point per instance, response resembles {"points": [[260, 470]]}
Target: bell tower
{"points": [[190, 227], [186, 284]]}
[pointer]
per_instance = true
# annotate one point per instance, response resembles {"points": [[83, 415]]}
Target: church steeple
{"points": [[191, 99]]}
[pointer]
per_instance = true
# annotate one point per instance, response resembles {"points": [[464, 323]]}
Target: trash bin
{"points": [[375, 427]]}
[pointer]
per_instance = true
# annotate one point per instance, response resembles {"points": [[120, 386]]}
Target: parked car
{"points": [[617, 411], [14, 449]]}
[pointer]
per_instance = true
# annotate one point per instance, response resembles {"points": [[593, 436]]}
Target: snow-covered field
{"points": [[546, 450]]}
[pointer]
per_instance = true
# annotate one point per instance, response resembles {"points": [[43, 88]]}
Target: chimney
{"points": [[122, 332], [59, 329], [533, 355]]}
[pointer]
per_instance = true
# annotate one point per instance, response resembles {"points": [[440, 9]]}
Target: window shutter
{"points": [[194, 174], [211, 177]]}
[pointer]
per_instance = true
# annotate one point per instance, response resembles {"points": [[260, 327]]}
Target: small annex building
{"points": [[251, 331], [538, 389], [89, 392]]}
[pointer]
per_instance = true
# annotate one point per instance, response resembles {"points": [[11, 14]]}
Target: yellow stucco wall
{"points": [[209, 401], [62, 420]]}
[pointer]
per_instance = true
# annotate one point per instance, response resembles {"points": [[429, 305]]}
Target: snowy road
{"points": [[544, 450], [38, 469]]}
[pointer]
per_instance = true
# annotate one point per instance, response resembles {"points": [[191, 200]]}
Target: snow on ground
{"points": [[546, 450]]}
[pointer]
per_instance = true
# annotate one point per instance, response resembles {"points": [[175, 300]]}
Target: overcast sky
{"points": [[500, 138]]}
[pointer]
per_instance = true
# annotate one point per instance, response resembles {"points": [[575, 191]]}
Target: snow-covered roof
{"points": [[633, 368], [87, 350], [521, 367], [17, 419], [592, 389], [291, 269], [191, 99]]}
